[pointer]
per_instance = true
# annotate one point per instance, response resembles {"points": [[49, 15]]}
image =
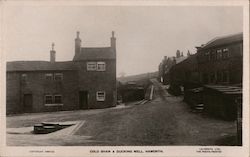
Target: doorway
{"points": [[83, 99], [27, 103]]}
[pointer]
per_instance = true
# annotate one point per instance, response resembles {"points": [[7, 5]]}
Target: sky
{"points": [[145, 34]]}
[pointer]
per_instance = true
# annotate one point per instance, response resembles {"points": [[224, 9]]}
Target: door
{"points": [[83, 99], [27, 103]]}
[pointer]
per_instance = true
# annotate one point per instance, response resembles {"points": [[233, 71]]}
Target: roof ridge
{"points": [[95, 47], [39, 65], [223, 36], [37, 61], [26, 61]]}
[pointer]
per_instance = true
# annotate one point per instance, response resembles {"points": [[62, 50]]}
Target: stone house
{"points": [[213, 76], [217, 62], [86, 82], [185, 72], [220, 61], [220, 66], [166, 64]]}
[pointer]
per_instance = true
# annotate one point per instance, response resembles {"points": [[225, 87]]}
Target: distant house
{"points": [[220, 60], [185, 72], [87, 82], [166, 64]]}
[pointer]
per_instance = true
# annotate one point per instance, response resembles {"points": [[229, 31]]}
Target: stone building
{"points": [[220, 60], [212, 78], [185, 72], [86, 82], [217, 62], [166, 64]]}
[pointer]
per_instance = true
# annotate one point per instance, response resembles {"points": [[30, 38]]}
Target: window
{"points": [[58, 99], [213, 55], [49, 76], [219, 76], [91, 66], [96, 66], [225, 53], [58, 76], [219, 54], [48, 99], [212, 77], [205, 78], [225, 76], [207, 56], [24, 77], [100, 96], [101, 66]]}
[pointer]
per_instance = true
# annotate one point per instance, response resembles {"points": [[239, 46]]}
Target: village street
{"points": [[166, 120]]}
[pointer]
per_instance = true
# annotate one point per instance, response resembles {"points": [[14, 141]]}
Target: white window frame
{"points": [[50, 75], [100, 98], [91, 66], [58, 74], [103, 65]]}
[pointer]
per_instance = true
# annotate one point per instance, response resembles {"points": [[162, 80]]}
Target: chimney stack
{"points": [[178, 53], [77, 43], [113, 41], [52, 54]]}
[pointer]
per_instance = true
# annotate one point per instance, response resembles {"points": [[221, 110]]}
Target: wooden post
{"points": [[238, 102]]}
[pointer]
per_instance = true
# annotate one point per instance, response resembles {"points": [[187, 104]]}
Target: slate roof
{"points": [[92, 53], [223, 40], [39, 66], [190, 60], [180, 59]]}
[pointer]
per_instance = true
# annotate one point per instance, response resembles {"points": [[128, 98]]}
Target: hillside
{"points": [[138, 77]]}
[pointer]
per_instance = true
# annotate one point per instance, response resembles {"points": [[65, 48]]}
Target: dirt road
{"points": [[166, 120]]}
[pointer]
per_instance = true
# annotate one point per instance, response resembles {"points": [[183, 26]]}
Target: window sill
{"points": [[100, 70], [53, 105], [100, 100], [96, 70]]}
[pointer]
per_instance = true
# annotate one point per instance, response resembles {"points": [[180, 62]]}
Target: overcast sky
{"points": [[144, 34]]}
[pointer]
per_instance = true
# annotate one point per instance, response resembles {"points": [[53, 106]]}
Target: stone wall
{"points": [[36, 85], [93, 81]]}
